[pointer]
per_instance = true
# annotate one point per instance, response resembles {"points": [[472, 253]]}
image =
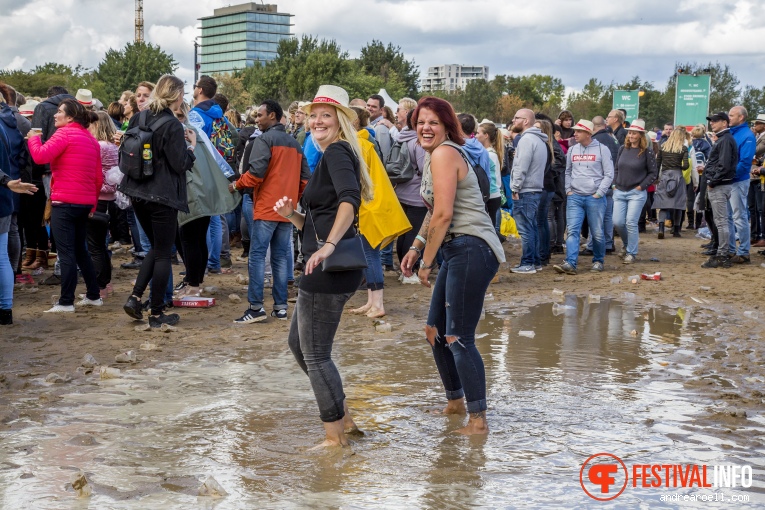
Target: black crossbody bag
{"points": [[348, 254]]}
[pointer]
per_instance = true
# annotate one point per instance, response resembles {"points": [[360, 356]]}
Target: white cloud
{"points": [[16, 64]]}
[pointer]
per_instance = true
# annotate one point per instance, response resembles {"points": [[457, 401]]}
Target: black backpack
{"points": [[131, 145]]}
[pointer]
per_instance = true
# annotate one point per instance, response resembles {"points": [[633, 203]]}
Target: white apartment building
{"points": [[450, 77]]}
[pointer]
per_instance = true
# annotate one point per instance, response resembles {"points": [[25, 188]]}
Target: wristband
{"points": [[423, 266], [290, 215], [421, 239], [233, 185], [419, 252]]}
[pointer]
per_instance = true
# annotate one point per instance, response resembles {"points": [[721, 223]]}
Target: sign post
{"points": [[692, 99], [628, 100]]}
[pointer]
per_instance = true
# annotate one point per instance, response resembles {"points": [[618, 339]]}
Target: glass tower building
{"points": [[241, 36]]}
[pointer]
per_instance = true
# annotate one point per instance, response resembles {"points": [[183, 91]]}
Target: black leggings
{"points": [[194, 249], [160, 222], [415, 215], [712, 226], [97, 246], [493, 206], [31, 220]]}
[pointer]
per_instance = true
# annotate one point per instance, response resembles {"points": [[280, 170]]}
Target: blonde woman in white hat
{"points": [[634, 170], [331, 203]]}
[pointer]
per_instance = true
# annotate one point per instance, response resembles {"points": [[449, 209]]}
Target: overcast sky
{"points": [[573, 40]]}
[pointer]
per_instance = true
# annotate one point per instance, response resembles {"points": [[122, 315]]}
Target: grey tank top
{"points": [[469, 217]]}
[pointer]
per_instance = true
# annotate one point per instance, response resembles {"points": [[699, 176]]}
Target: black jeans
{"points": [[69, 224], [118, 223], [312, 332], [31, 225], [160, 222], [97, 246], [415, 215], [194, 249]]}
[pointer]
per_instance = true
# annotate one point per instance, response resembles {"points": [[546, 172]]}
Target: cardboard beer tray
{"points": [[194, 302]]}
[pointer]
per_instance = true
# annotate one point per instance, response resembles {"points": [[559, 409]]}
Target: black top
{"points": [[633, 169], [723, 160], [335, 180], [672, 160], [171, 160]]}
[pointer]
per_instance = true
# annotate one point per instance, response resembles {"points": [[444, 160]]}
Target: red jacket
{"points": [[75, 163]]}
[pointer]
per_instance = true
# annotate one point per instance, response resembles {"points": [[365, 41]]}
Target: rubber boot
{"points": [[6, 317], [31, 256], [676, 231], [661, 230]]}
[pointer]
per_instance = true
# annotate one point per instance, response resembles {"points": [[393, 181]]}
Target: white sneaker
{"points": [[61, 309], [90, 302], [411, 280]]}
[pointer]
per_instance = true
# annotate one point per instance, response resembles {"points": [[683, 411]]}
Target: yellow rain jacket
{"points": [[382, 219]]}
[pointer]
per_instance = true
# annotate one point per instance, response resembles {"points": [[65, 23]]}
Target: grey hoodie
{"points": [[528, 173], [589, 170]]}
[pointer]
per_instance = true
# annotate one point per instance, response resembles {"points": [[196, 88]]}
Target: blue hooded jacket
{"points": [[209, 111], [478, 154], [311, 152], [747, 144], [15, 147]]}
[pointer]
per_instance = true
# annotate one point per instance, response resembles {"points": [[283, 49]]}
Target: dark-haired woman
{"points": [[75, 164], [458, 224], [158, 198]]}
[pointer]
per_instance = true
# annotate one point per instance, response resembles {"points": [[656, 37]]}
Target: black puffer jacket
{"points": [[723, 160], [171, 161]]}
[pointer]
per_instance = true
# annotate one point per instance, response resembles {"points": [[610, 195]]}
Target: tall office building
{"points": [[241, 36], [450, 77]]}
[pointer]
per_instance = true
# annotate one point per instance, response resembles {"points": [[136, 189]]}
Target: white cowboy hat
{"points": [[760, 119], [332, 95], [637, 125], [28, 108]]}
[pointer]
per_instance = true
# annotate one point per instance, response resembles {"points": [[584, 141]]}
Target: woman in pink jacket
{"points": [[75, 163]]}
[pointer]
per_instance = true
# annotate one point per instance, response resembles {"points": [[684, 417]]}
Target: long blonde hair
{"points": [[495, 138], [103, 128], [349, 134], [167, 91], [676, 140]]}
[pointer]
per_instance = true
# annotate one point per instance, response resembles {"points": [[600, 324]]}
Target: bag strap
{"points": [[143, 123], [354, 224]]}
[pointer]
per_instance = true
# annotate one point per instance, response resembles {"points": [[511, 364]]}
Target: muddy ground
{"points": [[39, 344]]}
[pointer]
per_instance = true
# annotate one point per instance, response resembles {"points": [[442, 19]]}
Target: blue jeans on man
{"points": [[577, 206], [264, 235], [738, 215], [628, 207], [214, 232], [525, 209], [608, 224]]}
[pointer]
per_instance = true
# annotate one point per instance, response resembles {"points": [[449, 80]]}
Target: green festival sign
{"points": [[692, 99], [628, 100]]}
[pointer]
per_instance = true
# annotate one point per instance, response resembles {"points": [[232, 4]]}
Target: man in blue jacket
{"points": [[738, 206]]}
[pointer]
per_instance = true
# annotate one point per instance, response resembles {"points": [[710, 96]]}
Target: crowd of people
{"points": [[318, 195]]}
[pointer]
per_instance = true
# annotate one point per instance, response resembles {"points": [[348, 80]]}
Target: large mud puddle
{"points": [[595, 377]]}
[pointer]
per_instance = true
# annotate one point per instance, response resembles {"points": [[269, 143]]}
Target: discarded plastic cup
{"points": [[109, 373], [125, 357], [628, 297], [593, 299], [751, 314], [635, 278], [527, 334], [616, 280], [558, 309]]}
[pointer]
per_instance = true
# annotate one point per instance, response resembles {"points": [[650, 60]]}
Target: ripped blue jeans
{"points": [[455, 309]]}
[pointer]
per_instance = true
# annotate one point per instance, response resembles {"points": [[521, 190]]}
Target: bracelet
{"points": [[233, 185], [421, 239], [423, 266], [419, 252], [290, 215], [330, 242]]}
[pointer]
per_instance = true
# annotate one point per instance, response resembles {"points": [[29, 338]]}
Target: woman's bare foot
{"points": [[361, 310], [456, 406], [335, 435], [477, 425], [375, 313], [349, 426]]}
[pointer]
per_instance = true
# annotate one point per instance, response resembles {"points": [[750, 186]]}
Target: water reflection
{"points": [[590, 380]]}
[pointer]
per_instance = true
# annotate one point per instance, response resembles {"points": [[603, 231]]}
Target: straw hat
{"points": [[302, 104], [84, 96], [332, 95], [28, 108], [637, 125], [760, 119], [652, 135], [486, 121], [584, 125]]}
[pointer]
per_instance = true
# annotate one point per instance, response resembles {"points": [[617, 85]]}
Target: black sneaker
{"points": [[711, 252], [224, 262], [279, 314], [251, 316], [156, 321], [716, 261], [135, 264], [133, 308]]}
